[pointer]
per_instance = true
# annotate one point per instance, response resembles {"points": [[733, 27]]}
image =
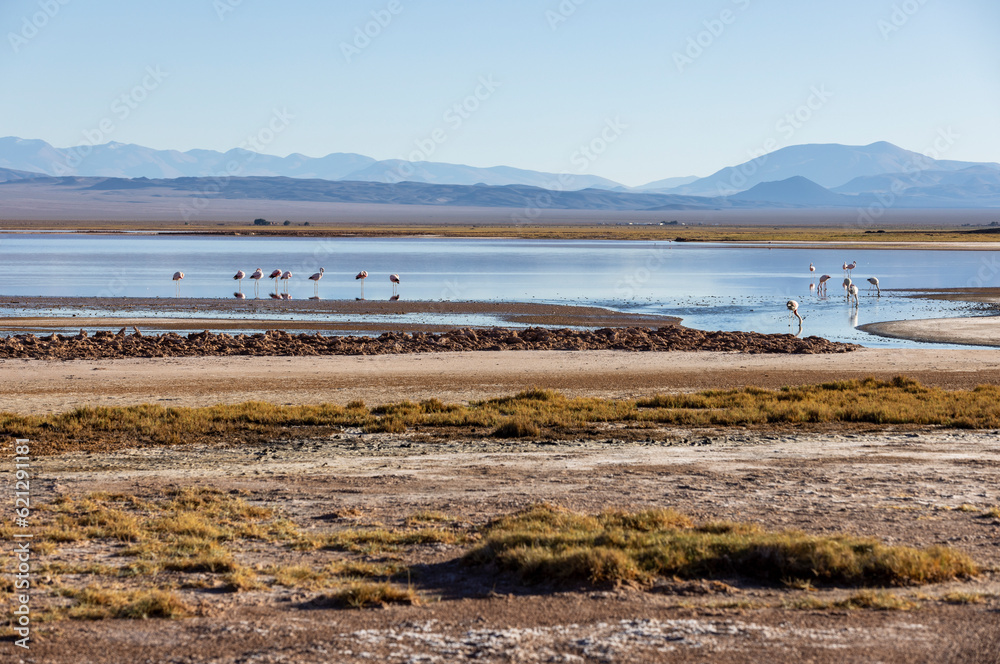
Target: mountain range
{"points": [[808, 176]]}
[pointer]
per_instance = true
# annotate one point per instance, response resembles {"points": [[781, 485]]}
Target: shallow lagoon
{"points": [[710, 286]]}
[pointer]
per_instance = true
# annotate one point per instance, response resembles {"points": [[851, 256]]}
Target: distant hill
{"points": [[794, 191], [9, 175], [667, 183], [829, 165], [121, 160], [798, 176]]}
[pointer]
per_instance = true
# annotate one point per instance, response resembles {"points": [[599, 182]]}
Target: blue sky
{"points": [[650, 89]]}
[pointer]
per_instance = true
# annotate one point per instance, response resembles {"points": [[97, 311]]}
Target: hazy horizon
{"points": [[634, 92]]}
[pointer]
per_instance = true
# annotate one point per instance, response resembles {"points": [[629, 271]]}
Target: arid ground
{"points": [[907, 485]]}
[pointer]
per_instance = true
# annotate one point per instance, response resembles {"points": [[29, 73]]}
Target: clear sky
{"points": [[655, 88]]}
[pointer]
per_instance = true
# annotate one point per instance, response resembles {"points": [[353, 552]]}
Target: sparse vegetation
{"points": [[529, 414]]}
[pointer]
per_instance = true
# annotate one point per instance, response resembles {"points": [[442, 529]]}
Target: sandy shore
{"points": [[976, 331], [36, 386]]}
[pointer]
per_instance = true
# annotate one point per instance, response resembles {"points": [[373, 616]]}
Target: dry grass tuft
{"points": [[545, 543], [98, 604], [363, 595]]}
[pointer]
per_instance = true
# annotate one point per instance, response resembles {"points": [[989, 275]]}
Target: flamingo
{"points": [[315, 278], [362, 276], [394, 278], [256, 276], [239, 277], [285, 276], [850, 267], [812, 268], [874, 282], [847, 286], [275, 275], [793, 306], [822, 282], [852, 291], [177, 282]]}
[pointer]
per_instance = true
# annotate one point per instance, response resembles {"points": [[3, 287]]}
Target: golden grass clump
{"points": [[545, 543], [98, 604], [365, 594]]}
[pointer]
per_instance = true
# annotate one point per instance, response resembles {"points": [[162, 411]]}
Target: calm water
{"points": [[710, 286]]}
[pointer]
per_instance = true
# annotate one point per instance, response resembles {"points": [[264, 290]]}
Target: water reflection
{"points": [[710, 286]]}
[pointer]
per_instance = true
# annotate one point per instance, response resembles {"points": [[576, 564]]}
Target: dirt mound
{"points": [[106, 345]]}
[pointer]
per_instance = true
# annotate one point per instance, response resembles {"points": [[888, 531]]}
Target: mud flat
{"points": [[975, 331]]}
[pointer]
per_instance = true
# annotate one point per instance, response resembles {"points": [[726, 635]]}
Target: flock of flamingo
{"points": [[284, 276], [849, 286]]}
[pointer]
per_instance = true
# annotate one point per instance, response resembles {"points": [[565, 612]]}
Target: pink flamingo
{"points": [[239, 277], [874, 282], [394, 278], [177, 282], [852, 291], [812, 268], [275, 275], [362, 276], [850, 267], [285, 276], [256, 276], [822, 282], [315, 278]]}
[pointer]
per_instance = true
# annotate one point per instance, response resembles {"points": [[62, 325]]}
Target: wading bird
{"points": [[239, 277], [275, 275], [812, 268], [852, 291], [847, 286], [874, 282], [850, 267], [256, 276], [315, 278], [394, 278], [177, 282], [793, 306], [822, 282], [285, 276], [362, 276]]}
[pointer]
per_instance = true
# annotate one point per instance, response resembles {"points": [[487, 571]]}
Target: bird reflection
{"points": [[394, 298]]}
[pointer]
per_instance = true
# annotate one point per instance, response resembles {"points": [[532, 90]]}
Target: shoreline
{"points": [[971, 331], [39, 386]]}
